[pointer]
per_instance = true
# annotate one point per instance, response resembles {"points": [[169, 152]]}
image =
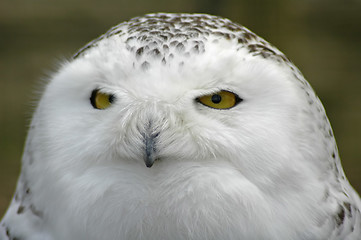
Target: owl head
{"points": [[172, 110]]}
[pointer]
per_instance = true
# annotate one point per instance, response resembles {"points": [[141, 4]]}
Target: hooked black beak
{"points": [[150, 149]]}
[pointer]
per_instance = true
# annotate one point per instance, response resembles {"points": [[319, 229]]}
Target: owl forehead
{"points": [[160, 38]]}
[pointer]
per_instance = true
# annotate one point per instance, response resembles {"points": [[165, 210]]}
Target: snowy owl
{"points": [[180, 126]]}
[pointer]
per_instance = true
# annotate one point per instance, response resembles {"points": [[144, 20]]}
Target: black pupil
{"points": [[111, 98], [216, 98]]}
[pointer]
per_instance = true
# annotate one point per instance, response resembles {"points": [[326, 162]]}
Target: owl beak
{"points": [[150, 149]]}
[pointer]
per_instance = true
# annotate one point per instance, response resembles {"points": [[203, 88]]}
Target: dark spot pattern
{"points": [[346, 219], [340, 216], [8, 233], [20, 209], [159, 35]]}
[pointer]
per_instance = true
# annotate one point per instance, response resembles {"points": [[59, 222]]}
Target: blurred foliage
{"points": [[322, 37]]}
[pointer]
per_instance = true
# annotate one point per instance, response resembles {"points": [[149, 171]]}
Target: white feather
{"points": [[267, 168]]}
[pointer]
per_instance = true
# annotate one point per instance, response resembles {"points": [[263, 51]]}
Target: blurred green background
{"points": [[322, 37]]}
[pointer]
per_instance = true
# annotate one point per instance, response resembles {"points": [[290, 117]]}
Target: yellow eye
{"points": [[220, 100], [101, 100]]}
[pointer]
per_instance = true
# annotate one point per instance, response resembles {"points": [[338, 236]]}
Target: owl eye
{"points": [[220, 100], [101, 100]]}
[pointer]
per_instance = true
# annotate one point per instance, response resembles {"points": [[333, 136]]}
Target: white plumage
{"points": [[134, 138]]}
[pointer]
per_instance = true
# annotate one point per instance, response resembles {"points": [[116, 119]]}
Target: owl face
{"points": [[219, 106], [144, 135]]}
